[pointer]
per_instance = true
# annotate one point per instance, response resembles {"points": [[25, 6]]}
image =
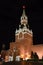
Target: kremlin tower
{"points": [[23, 37], [23, 27], [23, 45]]}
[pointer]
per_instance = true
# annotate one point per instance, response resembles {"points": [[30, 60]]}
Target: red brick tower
{"points": [[23, 37]]}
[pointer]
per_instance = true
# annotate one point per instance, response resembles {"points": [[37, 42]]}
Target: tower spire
{"points": [[23, 10], [24, 18]]}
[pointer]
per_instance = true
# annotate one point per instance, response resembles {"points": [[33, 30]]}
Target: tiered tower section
{"points": [[23, 30]]}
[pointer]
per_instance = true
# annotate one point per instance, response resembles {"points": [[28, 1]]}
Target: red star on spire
{"points": [[24, 7]]}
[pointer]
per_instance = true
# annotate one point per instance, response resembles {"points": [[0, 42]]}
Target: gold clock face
{"points": [[24, 22]]}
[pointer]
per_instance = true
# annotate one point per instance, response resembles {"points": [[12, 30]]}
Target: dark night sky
{"points": [[10, 12]]}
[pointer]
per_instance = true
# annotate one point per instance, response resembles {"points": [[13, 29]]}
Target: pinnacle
{"points": [[23, 6]]}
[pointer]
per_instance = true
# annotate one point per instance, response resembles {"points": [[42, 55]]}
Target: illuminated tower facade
{"points": [[24, 35], [23, 44], [23, 27]]}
